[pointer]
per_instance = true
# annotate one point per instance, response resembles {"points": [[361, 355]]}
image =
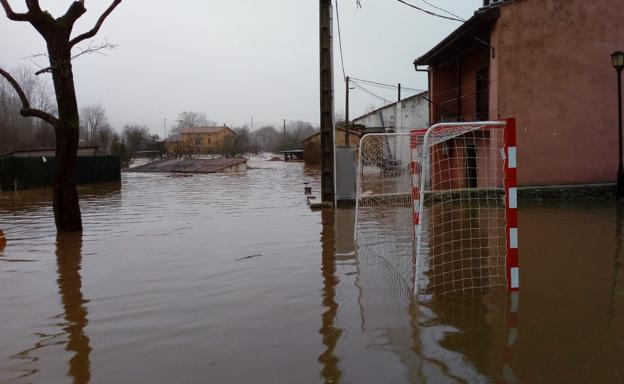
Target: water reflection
{"points": [[69, 259], [330, 372], [469, 338], [441, 338], [74, 319], [174, 296], [463, 246], [617, 263]]}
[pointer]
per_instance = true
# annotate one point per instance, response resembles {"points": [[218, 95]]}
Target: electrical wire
{"points": [[344, 74], [372, 93], [430, 13], [385, 85], [442, 9]]}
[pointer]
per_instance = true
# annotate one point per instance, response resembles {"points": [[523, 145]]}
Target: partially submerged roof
{"points": [[474, 32], [189, 165]]}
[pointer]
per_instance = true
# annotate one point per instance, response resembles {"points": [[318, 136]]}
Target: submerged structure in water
{"points": [[221, 165]]}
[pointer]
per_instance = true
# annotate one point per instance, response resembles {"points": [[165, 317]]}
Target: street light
{"points": [[618, 64]]}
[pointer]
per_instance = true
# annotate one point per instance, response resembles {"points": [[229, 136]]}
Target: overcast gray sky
{"points": [[236, 58]]}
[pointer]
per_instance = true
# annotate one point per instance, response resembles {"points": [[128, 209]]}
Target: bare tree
{"points": [[138, 138], [92, 120], [190, 120], [57, 34], [103, 138], [24, 133]]}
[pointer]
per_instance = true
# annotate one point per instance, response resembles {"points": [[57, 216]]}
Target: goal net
{"points": [[458, 180], [384, 227], [463, 240]]}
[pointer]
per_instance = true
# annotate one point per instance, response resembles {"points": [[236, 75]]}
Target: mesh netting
{"points": [[431, 208], [384, 224], [461, 238]]}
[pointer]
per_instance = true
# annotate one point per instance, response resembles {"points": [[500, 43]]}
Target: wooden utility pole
{"points": [[327, 101], [347, 121]]}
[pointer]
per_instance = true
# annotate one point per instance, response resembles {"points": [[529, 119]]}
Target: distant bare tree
{"points": [[92, 120], [190, 120], [238, 144], [267, 138], [57, 33], [138, 138]]}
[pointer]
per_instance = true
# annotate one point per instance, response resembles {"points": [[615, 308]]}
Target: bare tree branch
{"points": [[74, 12], [33, 6], [12, 15], [98, 25], [90, 49], [26, 110]]}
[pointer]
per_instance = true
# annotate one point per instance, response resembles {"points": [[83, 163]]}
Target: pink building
{"points": [[547, 63]]}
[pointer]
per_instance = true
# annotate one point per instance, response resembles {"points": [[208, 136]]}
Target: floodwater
{"points": [[232, 279]]}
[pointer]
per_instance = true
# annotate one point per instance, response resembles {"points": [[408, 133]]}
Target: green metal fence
{"points": [[18, 173]]}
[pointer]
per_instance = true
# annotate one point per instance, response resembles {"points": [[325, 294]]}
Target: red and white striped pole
{"points": [[416, 141], [511, 205]]}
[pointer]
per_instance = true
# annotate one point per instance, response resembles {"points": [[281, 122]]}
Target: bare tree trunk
{"points": [[65, 195], [57, 34]]}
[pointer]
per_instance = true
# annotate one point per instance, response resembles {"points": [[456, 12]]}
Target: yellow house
{"points": [[199, 140]]}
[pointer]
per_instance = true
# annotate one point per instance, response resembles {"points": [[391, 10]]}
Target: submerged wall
{"points": [[33, 172]]}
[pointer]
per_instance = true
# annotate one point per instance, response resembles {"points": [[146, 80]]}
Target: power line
{"points": [[430, 13], [442, 9], [385, 85], [344, 74], [372, 93]]}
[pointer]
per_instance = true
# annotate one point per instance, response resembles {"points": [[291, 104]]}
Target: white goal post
{"points": [[463, 198]]}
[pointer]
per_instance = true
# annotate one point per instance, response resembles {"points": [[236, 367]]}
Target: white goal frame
{"points": [[419, 173]]}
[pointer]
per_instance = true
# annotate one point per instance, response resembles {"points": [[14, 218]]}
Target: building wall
{"points": [[414, 113], [454, 85], [552, 70], [207, 141]]}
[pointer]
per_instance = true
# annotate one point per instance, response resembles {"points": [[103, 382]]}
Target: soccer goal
{"points": [[461, 233], [384, 228]]}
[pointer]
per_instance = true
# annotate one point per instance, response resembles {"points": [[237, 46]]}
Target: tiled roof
{"points": [[204, 129]]}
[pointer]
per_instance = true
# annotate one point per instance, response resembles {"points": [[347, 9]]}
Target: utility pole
{"points": [[284, 135], [399, 112], [165, 126], [327, 101], [347, 121]]}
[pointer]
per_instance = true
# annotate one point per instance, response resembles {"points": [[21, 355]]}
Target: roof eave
{"points": [[481, 18]]}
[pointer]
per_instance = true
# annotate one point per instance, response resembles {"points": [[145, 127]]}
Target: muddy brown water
{"points": [[232, 279]]}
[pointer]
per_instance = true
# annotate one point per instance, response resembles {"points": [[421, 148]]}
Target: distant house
{"points": [[312, 144], [412, 112], [199, 140], [546, 63]]}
